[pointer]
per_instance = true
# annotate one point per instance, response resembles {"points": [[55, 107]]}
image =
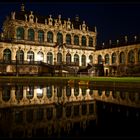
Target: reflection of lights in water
{"points": [[88, 90], [39, 91]]}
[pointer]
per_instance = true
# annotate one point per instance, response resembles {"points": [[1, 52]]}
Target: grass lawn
{"points": [[95, 79]]}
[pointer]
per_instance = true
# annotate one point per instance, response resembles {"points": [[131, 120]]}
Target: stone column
{"points": [[26, 34], [87, 41]]}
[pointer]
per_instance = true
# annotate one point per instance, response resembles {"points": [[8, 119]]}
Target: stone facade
{"points": [[28, 39]]}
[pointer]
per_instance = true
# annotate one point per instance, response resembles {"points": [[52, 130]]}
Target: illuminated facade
{"points": [[33, 44]]}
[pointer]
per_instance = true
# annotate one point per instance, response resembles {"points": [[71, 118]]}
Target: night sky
{"points": [[113, 20]]}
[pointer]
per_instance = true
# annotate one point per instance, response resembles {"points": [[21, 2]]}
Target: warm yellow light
{"points": [[39, 57]]}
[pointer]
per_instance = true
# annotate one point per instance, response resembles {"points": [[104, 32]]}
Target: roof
{"points": [[20, 15]]}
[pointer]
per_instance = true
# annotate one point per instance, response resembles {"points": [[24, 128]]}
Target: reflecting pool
{"points": [[54, 110]]}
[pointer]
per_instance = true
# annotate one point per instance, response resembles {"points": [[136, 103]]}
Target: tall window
{"points": [[31, 35], [68, 91], [83, 60], [90, 59], [76, 59], [59, 38], [106, 59], [30, 56], [40, 56], [84, 41], [7, 55], [40, 36], [131, 58], [68, 39], [59, 91], [20, 33], [76, 40], [59, 58], [49, 58], [68, 58], [100, 59], [90, 42], [113, 58], [19, 92], [6, 92], [49, 91], [122, 58], [30, 92], [20, 56], [39, 91], [50, 37]]}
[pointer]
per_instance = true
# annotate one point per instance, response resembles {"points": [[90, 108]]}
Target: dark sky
{"points": [[113, 20]]}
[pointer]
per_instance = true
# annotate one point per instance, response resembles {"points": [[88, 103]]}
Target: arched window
{"points": [[83, 91], [90, 42], [139, 56], [20, 56], [76, 91], [31, 35], [39, 91], [91, 59], [7, 56], [19, 92], [83, 60], [20, 33], [30, 56], [76, 40], [68, 91], [40, 56], [30, 92], [84, 41], [59, 92], [49, 58], [6, 92], [131, 58], [59, 38], [49, 91], [100, 59], [122, 58], [76, 59], [113, 58], [59, 58], [68, 58], [40, 36], [106, 59], [50, 37], [68, 39], [107, 93]]}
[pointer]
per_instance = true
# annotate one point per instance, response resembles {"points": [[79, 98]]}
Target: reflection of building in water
{"points": [[121, 97], [29, 95], [45, 120], [30, 111], [58, 109]]}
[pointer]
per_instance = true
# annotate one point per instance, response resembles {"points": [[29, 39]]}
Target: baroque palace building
{"points": [[34, 44]]}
